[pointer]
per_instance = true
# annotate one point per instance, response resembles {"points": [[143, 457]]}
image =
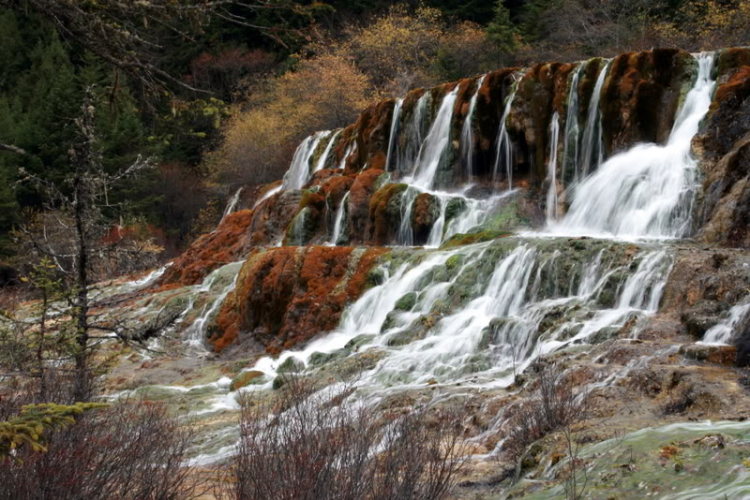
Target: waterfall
{"points": [[365, 316], [593, 150], [436, 143], [722, 332], [324, 157], [503, 147], [500, 327], [554, 137], [572, 126], [299, 171], [195, 334], [435, 237], [394, 130], [339, 221], [351, 148], [405, 232], [646, 192], [467, 132], [413, 135], [232, 204], [475, 214]]}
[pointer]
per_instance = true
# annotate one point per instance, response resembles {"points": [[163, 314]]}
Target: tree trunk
{"points": [[82, 391]]}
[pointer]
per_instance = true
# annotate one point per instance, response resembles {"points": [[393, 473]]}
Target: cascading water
{"points": [[572, 127], [323, 160], [467, 132], [504, 321], [592, 153], [503, 146], [339, 221], [434, 146], [436, 233], [554, 137], [405, 232], [232, 205], [225, 279], [299, 171], [395, 118], [722, 332], [413, 135], [646, 192]]}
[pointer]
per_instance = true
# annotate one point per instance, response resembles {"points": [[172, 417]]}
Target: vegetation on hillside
{"points": [[220, 94]]}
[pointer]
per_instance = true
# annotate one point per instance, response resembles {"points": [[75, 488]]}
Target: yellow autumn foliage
{"points": [[324, 93], [706, 25], [335, 78]]}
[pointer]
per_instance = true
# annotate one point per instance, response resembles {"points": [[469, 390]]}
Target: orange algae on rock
{"points": [[228, 243], [287, 295]]}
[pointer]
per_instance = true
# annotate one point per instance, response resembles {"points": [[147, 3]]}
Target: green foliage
{"points": [[501, 30], [533, 24], [28, 428]]}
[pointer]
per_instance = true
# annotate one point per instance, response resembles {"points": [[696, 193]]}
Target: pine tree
{"points": [[28, 428], [501, 30]]}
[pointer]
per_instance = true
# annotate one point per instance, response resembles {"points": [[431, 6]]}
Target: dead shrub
{"points": [[130, 451], [320, 446], [552, 407]]}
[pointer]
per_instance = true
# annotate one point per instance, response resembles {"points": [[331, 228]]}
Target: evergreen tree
{"points": [[501, 30]]}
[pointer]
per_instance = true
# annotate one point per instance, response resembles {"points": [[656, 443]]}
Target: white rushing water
{"points": [[232, 205], [467, 132], [554, 137], [572, 126], [498, 330], [723, 332], [478, 315], [437, 142], [339, 221], [647, 191], [215, 287], [395, 119], [503, 147], [323, 160], [300, 170], [592, 151], [407, 150]]}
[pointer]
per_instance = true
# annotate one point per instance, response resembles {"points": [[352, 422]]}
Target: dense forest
{"points": [[225, 97]]}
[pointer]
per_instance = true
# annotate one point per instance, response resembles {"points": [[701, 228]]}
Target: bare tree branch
{"points": [[12, 149]]}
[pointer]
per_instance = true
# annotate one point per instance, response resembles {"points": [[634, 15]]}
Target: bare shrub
{"points": [[129, 451], [319, 446], [552, 407]]}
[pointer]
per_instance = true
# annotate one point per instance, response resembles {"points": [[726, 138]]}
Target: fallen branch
{"points": [[12, 149]]}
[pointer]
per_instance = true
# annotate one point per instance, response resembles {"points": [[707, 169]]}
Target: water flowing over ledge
{"points": [[456, 240]]}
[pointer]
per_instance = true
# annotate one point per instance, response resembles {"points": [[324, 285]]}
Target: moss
{"points": [[321, 358], [291, 365], [375, 277], [406, 302], [471, 238], [454, 262], [425, 211], [385, 212], [358, 341], [454, 208], [301, 228]]}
